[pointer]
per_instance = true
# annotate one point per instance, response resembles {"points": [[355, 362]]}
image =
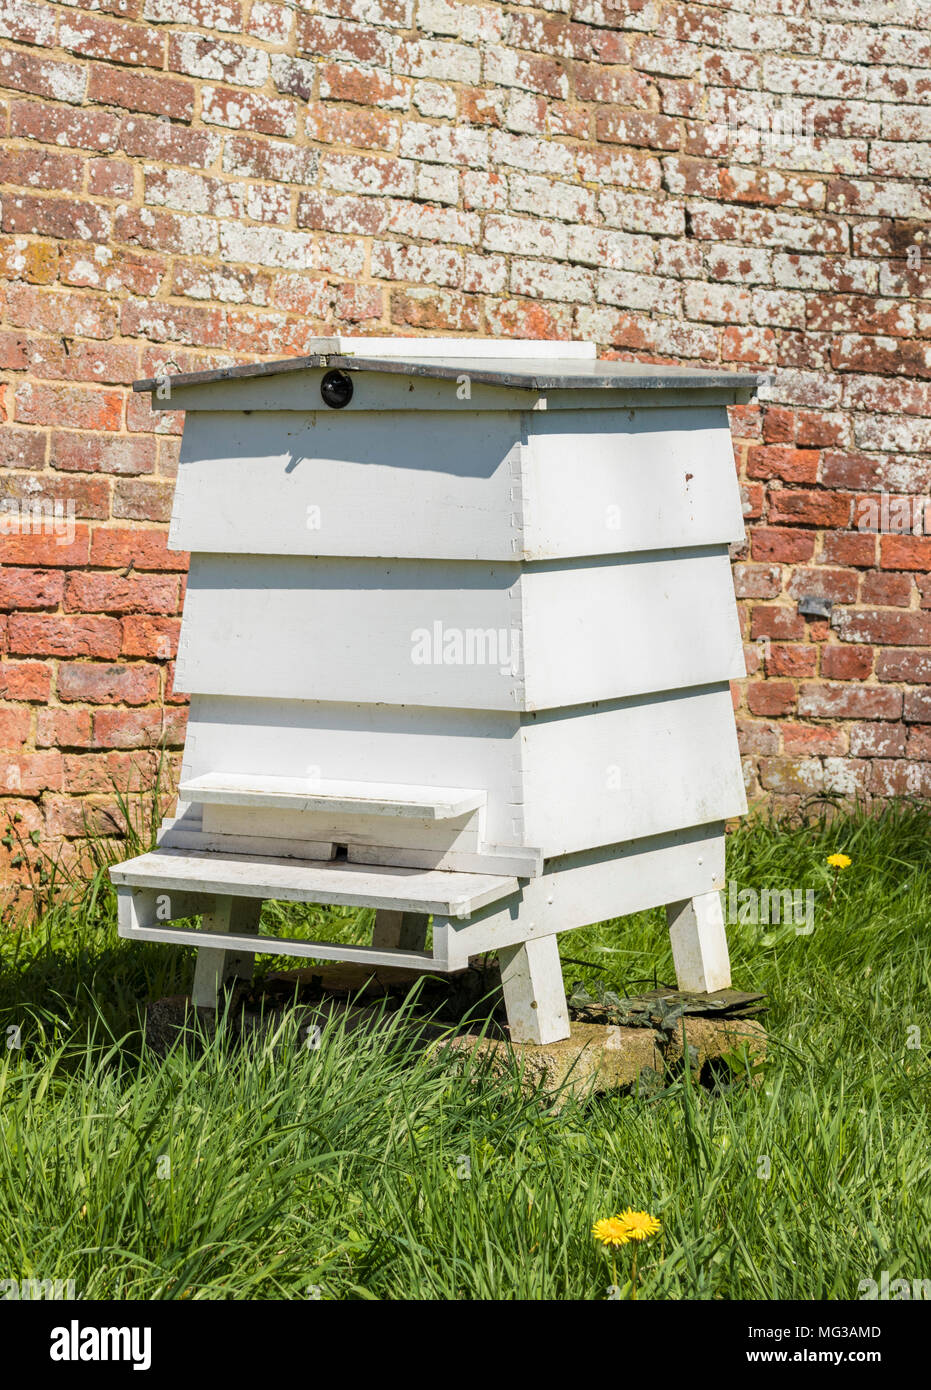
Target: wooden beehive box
{"points": [[471, 620]]}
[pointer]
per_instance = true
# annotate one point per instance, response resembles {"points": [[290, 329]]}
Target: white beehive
{"points": [[458, 634]]}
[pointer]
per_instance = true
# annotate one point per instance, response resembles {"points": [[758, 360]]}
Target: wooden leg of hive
{"points": [[400, 931], [699, 943], [216, 966], [534, 994]]}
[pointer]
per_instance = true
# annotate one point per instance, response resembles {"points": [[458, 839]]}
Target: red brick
{"points": [[770, 698], [779, 428], [108, 683], [77, 315], [55, 217], [80, 128], [110, 593], [22, 448], [918, 744], [115, 548], [781, 545], [63, 728], [44, 549], [139, 728], [112, 40], [82, 407], [822, 509], [137, 499], [43, 77], [849, 702], [904, 665], [905, 552], [42, 169], [877, 741], [15, 724], [844, 663], [151, 637], [161, 96], [848, 548], [793, 660], [30, 774], [779, 622], [757, 581], [30, 588], [840, 586], [84, 773], [25, 680], [901, 778], [96, 453], [48, 635], [780, 461], [813, 740]]}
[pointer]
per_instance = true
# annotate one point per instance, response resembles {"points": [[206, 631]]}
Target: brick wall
{"points": [[201, 181]]}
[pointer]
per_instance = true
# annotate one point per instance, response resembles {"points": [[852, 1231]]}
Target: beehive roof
{"points": [[532, 365]]}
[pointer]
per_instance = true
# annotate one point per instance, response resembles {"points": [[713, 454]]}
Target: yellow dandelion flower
{"points": [[839, 861], [638, 1225], [610, 1231]]}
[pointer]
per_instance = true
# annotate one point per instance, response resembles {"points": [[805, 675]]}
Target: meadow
{"points": [[372, 1168]]}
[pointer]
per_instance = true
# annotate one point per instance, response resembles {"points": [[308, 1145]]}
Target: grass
{"points": [[367, 1169]]}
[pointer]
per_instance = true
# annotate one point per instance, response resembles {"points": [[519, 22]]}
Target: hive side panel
{"points": [[631, 769], [629, 625], [629, 480], [415, 484], [413, 747], [395, 632], [595, 886]]}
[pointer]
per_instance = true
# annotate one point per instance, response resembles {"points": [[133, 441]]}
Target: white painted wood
{"points": [[492, 859], [534, 996], [404, 484], [616, 482], [594, 885], [517, 861], [617, 627], [541, 349], [405, 931], [336, 798], [458, 833], [623, 481], [558, 783], [629, 769], [339, 882], [291, 946], [699, 943], [456, 634], [446, 747], [179, 832]]}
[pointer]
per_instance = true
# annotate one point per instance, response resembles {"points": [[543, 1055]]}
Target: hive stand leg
{"points": [[214, 965], [534, 994], [699, 943], [400, 931]]}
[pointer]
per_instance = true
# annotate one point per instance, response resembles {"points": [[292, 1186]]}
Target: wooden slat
{"points": [[336, 797], [288, 946], [339, 883]]}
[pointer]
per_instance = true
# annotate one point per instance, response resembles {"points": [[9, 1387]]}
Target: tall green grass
{"points": [[371, 1167]]}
